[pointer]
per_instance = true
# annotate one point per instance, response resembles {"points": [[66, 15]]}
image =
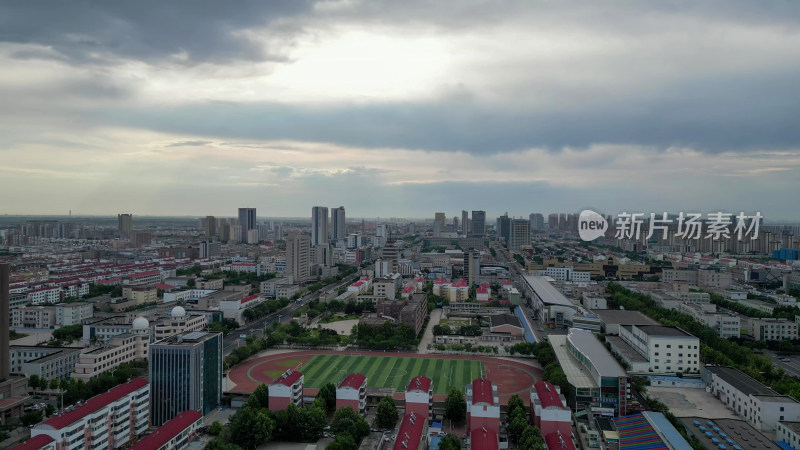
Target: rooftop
{"points": [[94, 404], [549, 294], [482, 391], [794, 426], [548, 396], [740, 380], [741, 433], [505, 319], [594, 350], [169, 430], [484, 439], [623, 317], [420, 383], [289, 378], [410, 433], [556, 440], [577, 375], [34, 443], [660, 330], [625, 349], [354, 380]]}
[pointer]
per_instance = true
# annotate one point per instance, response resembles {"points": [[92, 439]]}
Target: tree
{"points": [[33, 381], [250, 428], [54, 383], [215, 428], [218, 444], [347, 421], [328, 393], [49, 409], [343, 442], [531, 439], [455, 406], [450, 442], [386, 415], [517, 424], [513, 403], [260, 397], [31, 418], [313, 421]]}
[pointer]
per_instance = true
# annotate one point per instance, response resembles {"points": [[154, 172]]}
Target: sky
{"points": [[399, 109]]}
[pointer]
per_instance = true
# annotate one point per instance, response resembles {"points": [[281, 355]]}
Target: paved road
{"points": [[427, 337], [233, 340], [791, 367]]}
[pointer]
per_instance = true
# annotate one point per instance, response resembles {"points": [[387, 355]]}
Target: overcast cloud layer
{"points": [[399, 108]]}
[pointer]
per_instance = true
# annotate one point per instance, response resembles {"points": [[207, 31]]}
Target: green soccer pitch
{"points": [[391, 372]]}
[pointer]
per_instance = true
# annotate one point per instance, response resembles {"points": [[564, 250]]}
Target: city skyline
{"points": [[288, 105]]}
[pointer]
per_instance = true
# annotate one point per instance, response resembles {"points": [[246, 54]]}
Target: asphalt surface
{"points": [[256, 327]]}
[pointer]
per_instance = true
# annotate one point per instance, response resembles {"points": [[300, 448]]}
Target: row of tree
{"points": [[520, 431], [389, 336]]}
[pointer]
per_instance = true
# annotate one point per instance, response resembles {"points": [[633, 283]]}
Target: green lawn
{"points": [[389, 371]]}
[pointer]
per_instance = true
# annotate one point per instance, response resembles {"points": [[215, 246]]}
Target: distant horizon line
{"points": [[766, 220]]}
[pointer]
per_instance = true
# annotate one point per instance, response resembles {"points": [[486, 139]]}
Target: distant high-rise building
{"points": [[438, 223], [520, 233], [504, 227], [298, 257], [537, 221], [478, 223], [455, 224], [338, 222], [211, 227], [472, 266], [247, 222], [5, 319], [125, 224], [464, 222], [319, 225], [185, 374]]}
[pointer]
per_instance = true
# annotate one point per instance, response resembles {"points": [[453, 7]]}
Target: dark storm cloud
{"points": [[145, 30], [710, 115]]}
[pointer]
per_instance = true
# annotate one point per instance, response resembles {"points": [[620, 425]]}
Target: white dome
{"points": [[141, 324], [178, 311]]}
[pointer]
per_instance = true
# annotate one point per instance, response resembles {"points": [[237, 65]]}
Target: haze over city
{"points": [[399, 108]]}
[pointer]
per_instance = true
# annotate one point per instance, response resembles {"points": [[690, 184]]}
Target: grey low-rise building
{"points": [[44, 362]]}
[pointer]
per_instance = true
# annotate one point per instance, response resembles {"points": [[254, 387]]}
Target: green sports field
{"points": [[393, 372]]}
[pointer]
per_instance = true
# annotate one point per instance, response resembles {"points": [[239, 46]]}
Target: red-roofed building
{"points": [[419, 396], [413, 433], [352, 391], [558, 441], [147, 277], [459, 291], [484, 439], [176, 434], [108, 420], [165, 287], [408, 290], [483, 292], [483, 406], [40, 442], [287, 388], [548, 409], [441, 287]]}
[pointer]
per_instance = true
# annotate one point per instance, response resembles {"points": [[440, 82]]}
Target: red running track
{"points": [[511, 377]]}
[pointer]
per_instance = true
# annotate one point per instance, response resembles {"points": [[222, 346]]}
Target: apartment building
{"points": [[352, 391], [176, 434], [483, 414], [413, 433], [657, 349], [120, 349], [73, 313], [34, 317], [140, 294], [286, 389], [109, 420], [45, 362], [761, 406], [712, 279]]}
